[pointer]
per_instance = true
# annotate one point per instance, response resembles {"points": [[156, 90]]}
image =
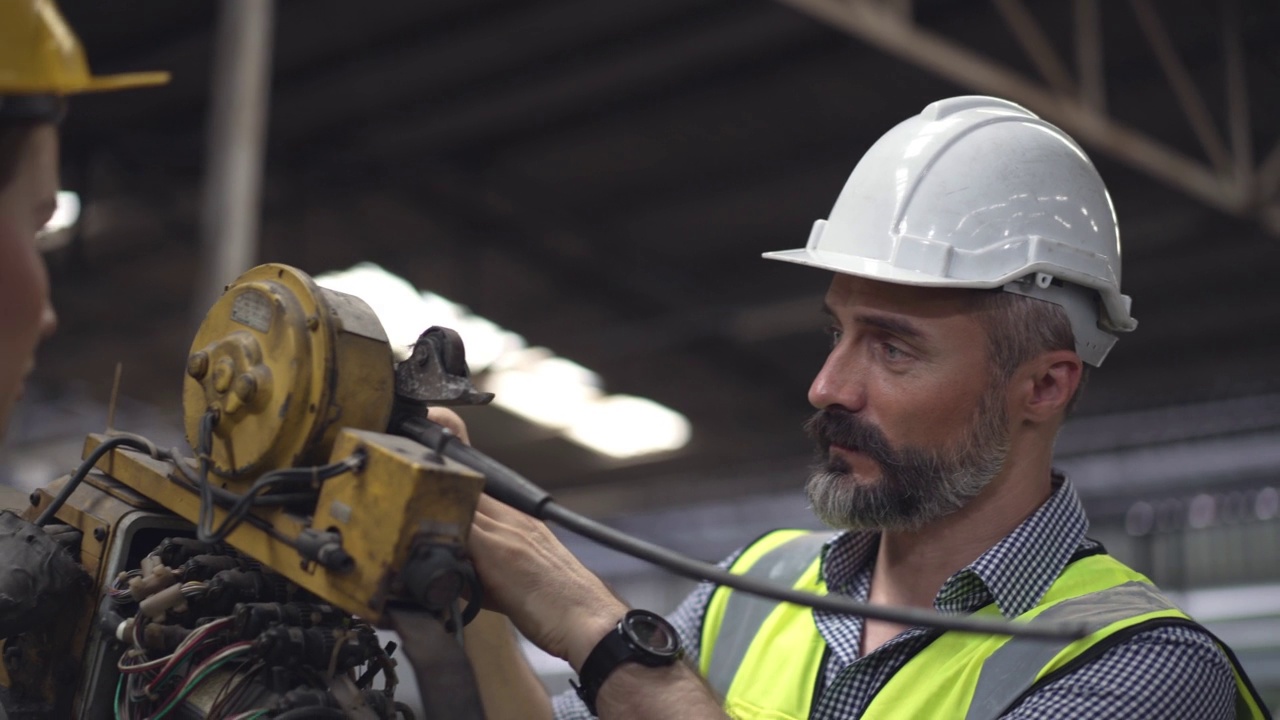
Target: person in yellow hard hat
{"points": [[41, 64]]}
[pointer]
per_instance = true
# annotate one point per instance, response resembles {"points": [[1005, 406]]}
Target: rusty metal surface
{"points": [[403, 490], [436, 372]]}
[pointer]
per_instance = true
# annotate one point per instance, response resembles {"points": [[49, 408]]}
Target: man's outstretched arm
{"points": [[566, 610], [563, 608]]}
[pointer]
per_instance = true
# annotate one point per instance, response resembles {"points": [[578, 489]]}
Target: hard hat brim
{"points": [[872, 269], [1115, 314], [122, 81]]}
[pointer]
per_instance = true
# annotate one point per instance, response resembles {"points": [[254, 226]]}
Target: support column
{"points": [[236, 147]]}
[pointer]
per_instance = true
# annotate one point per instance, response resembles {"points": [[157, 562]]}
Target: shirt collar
{"points": [[1015, 573]]}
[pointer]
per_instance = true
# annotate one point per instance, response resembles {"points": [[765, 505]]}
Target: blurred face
{"points": [[911, 424], [26, 315]]}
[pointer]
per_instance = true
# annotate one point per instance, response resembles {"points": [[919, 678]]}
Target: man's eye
{"points": [[833, 335], [893, 352]]}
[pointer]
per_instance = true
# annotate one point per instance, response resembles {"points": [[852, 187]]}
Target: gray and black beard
{"points": [[917, 485]]}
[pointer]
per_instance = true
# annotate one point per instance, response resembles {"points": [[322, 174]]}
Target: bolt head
{"points": [[198, 365], [245, 386], [34, 497], [100, 534]]}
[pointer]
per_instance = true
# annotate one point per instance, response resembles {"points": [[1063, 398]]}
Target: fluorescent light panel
{"points": [[531, 382]]}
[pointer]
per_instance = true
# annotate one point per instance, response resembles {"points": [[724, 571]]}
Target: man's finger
{"points": [[449, 419]]}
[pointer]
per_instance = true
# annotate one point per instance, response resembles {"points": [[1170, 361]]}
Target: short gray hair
{"points": [[1019, 328]]}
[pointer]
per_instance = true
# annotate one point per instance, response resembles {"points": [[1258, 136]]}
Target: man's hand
{"points": [[563, 608], [533, 579], [530, 577]]}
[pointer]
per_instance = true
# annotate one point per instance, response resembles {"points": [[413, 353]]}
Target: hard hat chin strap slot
{"points": [[1081, 305], [32, 108]]}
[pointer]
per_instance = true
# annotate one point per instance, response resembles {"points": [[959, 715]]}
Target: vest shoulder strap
{"points": [[783, 557], [1017, 664]]}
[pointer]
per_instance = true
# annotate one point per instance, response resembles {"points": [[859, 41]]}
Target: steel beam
{"points": [[1184, 88], [1088, 20], [1237, 94], [737, 33], [1036, 44], [937, 54]]}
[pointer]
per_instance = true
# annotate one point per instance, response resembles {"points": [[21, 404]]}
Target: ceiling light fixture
{"points": [[530, 382], [56, 233]]}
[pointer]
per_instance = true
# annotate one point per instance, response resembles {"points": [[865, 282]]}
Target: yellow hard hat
{"points": [[41, 56]]}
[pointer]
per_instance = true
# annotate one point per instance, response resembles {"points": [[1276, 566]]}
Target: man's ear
{"points": [[1053, 379]]}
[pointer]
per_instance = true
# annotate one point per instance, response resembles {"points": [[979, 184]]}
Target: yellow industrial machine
{"points": [[244, 581]]}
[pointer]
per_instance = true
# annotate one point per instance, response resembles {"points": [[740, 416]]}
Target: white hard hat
{"points": [[976, 192]]}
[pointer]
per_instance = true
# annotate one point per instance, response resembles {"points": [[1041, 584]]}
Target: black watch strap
{"points": [[640, 637]]}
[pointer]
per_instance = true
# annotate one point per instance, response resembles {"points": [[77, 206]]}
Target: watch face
{"points": [[652, 633]]}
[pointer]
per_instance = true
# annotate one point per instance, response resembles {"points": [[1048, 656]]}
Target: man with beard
{"points": [[976, 272]]}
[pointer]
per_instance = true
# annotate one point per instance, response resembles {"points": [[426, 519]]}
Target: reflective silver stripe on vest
{"points": [[1012, 669], [745, 614]]}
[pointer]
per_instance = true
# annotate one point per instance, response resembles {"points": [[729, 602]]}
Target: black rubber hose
{"points": [[506, 485], [501, 482], [82, 471], [698, 570]]}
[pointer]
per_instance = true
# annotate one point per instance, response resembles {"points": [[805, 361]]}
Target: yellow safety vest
{"points": [[767, 660]]}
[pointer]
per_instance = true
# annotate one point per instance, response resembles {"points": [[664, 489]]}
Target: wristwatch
{"points": [[641, 637]]}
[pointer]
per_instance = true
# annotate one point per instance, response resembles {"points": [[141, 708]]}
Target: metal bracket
{"points": [[436, 372]]}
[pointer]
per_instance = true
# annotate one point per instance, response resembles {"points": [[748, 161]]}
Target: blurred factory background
{"points": [[584, 188]]}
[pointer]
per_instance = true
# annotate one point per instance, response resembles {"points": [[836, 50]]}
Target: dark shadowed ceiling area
{"points": [[602, 176]]}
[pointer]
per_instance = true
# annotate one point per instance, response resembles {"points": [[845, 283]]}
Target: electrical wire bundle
{"points": [[209, 628], [305, 480], [153, 688], [287, 487]]}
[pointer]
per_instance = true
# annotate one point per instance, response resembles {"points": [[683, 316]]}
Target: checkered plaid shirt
{"points": [[1166, 672]]}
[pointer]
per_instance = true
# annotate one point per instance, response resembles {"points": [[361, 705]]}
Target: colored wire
{"points": [[229, 695], [186, 647], [119, 688], [202, 671]]}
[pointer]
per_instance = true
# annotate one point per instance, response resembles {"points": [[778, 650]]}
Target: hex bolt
{"points": [[100, 534], [198, 365], [313, 322], [34, 497]]}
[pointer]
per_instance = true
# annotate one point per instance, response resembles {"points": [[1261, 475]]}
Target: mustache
{"points": [[837, 426]]}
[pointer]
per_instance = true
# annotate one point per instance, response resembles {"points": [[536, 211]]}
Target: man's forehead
{"points": [[849, 293]]}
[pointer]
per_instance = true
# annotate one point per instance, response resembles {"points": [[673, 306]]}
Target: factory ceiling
{"points": [[602, 176]]}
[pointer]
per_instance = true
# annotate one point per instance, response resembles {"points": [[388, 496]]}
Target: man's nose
{"points": [[839, 382]]}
